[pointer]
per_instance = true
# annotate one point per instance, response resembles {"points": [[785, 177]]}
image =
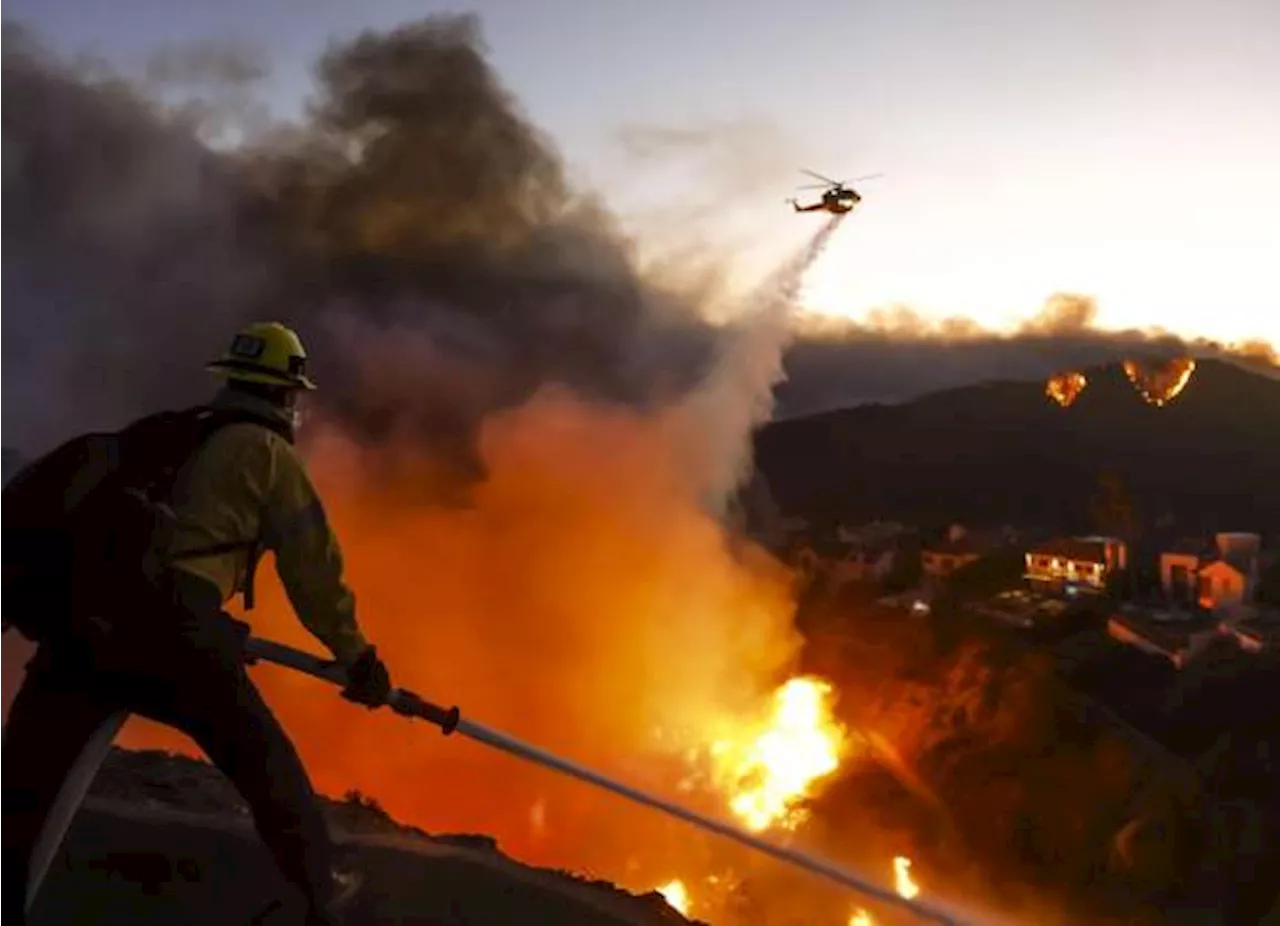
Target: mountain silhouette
{"points": [[1005, 452]]}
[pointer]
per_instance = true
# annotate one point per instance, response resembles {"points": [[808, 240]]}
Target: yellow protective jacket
{"points": [[248, 483]]}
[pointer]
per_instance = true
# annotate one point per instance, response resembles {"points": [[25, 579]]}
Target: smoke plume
{"points": [[416, 203], [125, 257], [896, 354], [470, 315]]}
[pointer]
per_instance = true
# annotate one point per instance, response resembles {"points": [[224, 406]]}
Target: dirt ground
{"points": [[143, 851]]}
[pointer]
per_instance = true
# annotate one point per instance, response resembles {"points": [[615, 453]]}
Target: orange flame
{"points": [[676, 895], [776, 770], [1160, 384], [902, 883], [1065, 388]]}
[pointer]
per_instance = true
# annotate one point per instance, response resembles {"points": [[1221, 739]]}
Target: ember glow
{"points": [[676, 895], [902, 882], [906, 888]]}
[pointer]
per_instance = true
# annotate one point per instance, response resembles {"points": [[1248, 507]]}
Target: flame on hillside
{"points": [[768, 768], [902, 883], [1157, 383], [1160, 383], [676, 895], [762, 767], [1065, 388]]}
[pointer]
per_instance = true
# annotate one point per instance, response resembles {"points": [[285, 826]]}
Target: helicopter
{"points": [[837, 198]]}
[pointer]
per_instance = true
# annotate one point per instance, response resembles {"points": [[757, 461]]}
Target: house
{"points": [[1215, 576], [1075, 564], [1257, 633], [958, 548], [1177, 639], [872, 532], [864, 562], [838, 563]]}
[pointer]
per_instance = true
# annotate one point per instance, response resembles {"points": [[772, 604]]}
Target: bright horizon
{"points": [[1122, 151]]}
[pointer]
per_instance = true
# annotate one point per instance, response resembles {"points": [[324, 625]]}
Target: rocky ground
{"points": [[165, 839]]}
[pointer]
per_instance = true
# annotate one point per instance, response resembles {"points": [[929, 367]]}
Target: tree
{"points": [[1114, 510], [907, 568], [986, 576], [1269, 584]]}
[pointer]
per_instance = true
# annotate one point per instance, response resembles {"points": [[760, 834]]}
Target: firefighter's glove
{"points": [[368, 681]]}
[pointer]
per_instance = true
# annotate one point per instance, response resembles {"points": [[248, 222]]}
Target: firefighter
{"points": [[176, 658]]}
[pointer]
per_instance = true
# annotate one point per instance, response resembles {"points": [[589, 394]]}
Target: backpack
{"points": [[82, 525]]}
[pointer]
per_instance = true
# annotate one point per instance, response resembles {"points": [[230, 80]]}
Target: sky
{"points": [[1121, 149]]}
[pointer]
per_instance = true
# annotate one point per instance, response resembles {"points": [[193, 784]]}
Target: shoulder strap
{"points": [[217, 418], [214, 419]]}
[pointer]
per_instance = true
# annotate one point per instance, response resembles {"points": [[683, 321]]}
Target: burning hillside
{"points": [[586, 601], [1157, 382], [1065, 388], [1160, 383]]}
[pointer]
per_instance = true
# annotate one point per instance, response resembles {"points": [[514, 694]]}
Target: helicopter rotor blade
{"points": [[867, 177], [815, 186], [818, 176]]}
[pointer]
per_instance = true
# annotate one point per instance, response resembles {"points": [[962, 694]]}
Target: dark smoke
{"points": [[452, 217], [897, 355], [417, 228], [125, 256]]}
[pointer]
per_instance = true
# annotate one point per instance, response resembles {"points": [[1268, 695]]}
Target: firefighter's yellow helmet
{"points": [[267, 353]]}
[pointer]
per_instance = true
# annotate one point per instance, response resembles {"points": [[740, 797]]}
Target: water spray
{"points": [[737, 396]]}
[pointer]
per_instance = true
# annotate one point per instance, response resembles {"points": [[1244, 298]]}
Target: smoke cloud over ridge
{"points": [[897, 354]]}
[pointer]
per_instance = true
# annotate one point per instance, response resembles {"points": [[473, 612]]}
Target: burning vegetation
{"points": [[1160, 383], [1065, 388], [769, 769]]}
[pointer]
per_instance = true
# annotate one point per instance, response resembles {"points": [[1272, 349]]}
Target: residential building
{"points": [[958, 548], [1075, 564], [836, 562], [871, 532], [864, 562], [1215, 576], [1178, 640], [1257, 632]]}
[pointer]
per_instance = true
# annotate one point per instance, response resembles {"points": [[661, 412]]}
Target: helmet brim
{"points": [[262, 377]]}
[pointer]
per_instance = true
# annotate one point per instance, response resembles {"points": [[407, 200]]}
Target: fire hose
{"points": [[450, 720]]}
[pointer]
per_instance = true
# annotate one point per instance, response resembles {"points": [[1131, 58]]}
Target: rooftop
{"points": [[1087, 549]]}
